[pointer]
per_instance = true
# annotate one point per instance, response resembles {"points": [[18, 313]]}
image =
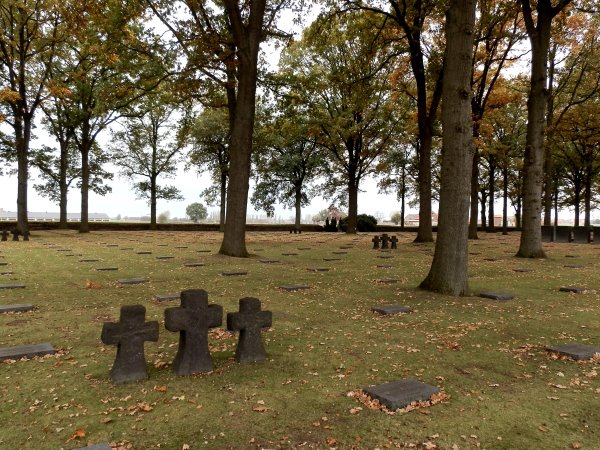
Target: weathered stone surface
{"points": [[398, 394], [388, 280], [574, 266], [331, 259], [522, 270], [304, 248], [165, 257], [490, 259], [144, 253], [268, 261], [234, 273], [496, 296], [576, 290], [22, 307], [129, 335], [193, 319], [4, 235], [12, 286], [26, 351], [7, 272], [385, 239], [166, 297], [318, 269], [375, 242], [394, 243], [84, 260], [391, 309], [340, 253], [181, 246], [194, 264], [203, 251], [575, 350], [249, 321], [132, 280], [582, 235], [385, 256], [106, 269], [290, 254], [294, 287]]}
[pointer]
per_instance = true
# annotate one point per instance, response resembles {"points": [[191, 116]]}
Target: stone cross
{"points": [[385, 239], [26, 235], [15, 234], [129, 335], [4, 235], [249, 321], [193, 319], [375, 241], [394, 241]]}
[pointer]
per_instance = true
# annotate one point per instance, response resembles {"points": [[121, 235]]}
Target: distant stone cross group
{"points": [[192, 320], [385, 242]]}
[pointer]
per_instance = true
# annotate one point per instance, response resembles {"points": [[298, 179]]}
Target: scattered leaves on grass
{"points": [[374, 404], [89, 284], [78, 434]]}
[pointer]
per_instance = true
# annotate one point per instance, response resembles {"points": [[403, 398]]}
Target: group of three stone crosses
{"points": [[192, 319]]}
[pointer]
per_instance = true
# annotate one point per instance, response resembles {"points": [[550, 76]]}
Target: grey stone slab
{"points": [[490, 259], [388, 280], [340, 253], [165, 257], [107, 269], [8, 272], [26, 351], [574, 350], [166, 297], [2, 263], [249, 321], [294, 287], [89, 260], [391, 309], [318, 269], [331, 259], [574, 266], [16, 308], [304, 248], [96, 447], [144, 253], [162, 245], [522, 270], [206, 251], [194, 264], [181, 246], [496, 296], [126, 248], [290, 254], [398, 394], [576, 290], [12, 286], [268, 261], [133, 280], [385, 256], [234, 273]]}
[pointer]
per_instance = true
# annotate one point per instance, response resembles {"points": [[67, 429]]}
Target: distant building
{"points": [[412, 220], [34, 216]]}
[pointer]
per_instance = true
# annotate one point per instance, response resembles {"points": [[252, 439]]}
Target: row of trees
{"points": [[359, 94]]}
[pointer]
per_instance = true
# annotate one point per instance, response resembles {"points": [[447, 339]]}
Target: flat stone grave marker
{"points": [[207, 251], [193, 319], [340, 253], [112, 245], [106, 268], [234, 273], [490, 259], [249, 321], [290, 254], [398, 394], [96, 447], [162, 245], [574, 350], [385, 256], [194, 264], [304, 248], [12, 286], [268, 261], [384, 266], [474, 253], [165, 257], [346, 247], [64, 250], [144, 253], [166, 297], [129, 335], [294, 287], [571, 256], [318, 269], [332, 259], [391, 309], [576, 290], [256, 249], [394, 241], [496, 296], [126, 248], [88, 260], [181, 246], [388, 280], [2, 263], [16, 308], [132, 280], [8, 272], [522, 270], [574, 266], [26, 351]]}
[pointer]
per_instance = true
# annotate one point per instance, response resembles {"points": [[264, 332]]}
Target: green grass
{"points": [[505, 391]]}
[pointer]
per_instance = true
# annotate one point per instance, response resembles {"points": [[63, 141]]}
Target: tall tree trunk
{"points": [[84, 226], [548, 162], [577, 203], [448, 273], [62, 184], [298, 208], [247, 38], [22, 129], [403, 198], [555, 204], [352, 203], [533, 161], [492, 189], [425, 233], [153, 203], [483, 209], [505, 201], [587, 193], [518, 214], [223, 202], [473, 219]]}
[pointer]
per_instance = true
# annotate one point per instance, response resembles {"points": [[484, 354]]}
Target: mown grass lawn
{"points": [[505, 391]]}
